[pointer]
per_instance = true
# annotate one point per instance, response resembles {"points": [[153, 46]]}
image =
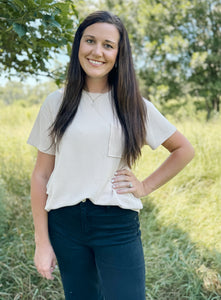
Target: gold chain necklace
{"points": [[93, 99]]}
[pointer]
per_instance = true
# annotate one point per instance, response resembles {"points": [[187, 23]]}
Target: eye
{"points": [[108, 46], [89, 41]]}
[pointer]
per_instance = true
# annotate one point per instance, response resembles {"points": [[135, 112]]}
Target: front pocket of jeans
{"points": [[116, 141]]}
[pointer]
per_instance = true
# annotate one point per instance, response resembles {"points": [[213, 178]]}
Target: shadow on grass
{"points": [[176, 268]]}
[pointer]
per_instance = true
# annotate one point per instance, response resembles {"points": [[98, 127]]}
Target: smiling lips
{"points": [[95, 62]]}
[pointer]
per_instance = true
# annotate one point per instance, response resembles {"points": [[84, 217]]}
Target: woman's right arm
{"points": [[44, 255]]}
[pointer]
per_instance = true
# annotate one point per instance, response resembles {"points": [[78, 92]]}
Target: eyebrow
{"points": [[92, 36]]}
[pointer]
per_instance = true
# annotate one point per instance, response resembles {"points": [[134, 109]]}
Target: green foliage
{"points": [[164, 46], [176, 47], [176, 44], [32, 31], [204, 19], [180, 222]]}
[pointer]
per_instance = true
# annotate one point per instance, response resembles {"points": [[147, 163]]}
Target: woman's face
{"points": [[98, 50]]}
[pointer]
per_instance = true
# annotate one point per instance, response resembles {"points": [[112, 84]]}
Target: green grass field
{"points": [[180, 222]]}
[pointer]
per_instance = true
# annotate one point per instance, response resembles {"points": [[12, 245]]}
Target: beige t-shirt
{"points": [[90, 151]]}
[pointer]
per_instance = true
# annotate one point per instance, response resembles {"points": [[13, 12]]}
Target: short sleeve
{"points": [[159, 129], [40, 133]]}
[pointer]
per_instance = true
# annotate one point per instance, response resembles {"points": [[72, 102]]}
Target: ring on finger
{"points": [[130, 185]]}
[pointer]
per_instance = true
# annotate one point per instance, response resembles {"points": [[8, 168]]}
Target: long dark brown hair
{"points": [[128, 103]]}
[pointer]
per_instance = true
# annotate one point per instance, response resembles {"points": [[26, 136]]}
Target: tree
{"points": [[205, 52], [177, 46], [182, 42], [158, 46], [32, 31], [165, 50]]}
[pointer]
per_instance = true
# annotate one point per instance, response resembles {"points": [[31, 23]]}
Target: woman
{"points": [[85, 199]]}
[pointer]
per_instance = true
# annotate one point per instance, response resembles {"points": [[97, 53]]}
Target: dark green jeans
{"points": [[99, 252]]}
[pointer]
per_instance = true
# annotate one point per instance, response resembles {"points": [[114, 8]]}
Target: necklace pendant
{"points": [[93, 99]]}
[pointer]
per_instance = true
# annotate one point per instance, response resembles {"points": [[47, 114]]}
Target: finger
{"points": [[125, 190], [54, 264], [120, 178], [47, 275], [123, 184], [123, 172]]}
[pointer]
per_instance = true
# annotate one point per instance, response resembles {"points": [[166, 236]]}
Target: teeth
{"points": [[95, 62]]}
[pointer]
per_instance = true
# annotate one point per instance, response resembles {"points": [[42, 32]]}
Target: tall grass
{"points": [[181, 222], [19, 279]]}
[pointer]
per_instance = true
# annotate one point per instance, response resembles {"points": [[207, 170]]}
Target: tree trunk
{"points": [[216, 104]]}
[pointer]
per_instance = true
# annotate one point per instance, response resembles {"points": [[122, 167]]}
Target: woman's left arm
{"points": [[181, 153]]}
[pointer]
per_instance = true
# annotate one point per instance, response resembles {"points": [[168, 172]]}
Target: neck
{"points": [[96, 86]]}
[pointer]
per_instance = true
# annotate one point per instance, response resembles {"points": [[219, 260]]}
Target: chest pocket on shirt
{"points": [[116, 141]]}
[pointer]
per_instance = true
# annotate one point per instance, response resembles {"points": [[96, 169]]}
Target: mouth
{"points": [[95, 62]]}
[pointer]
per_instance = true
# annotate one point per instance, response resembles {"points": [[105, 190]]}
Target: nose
{"points": [[97, 50]]}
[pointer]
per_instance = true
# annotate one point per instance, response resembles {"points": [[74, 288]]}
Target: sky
{"points": [[34, 80]]}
